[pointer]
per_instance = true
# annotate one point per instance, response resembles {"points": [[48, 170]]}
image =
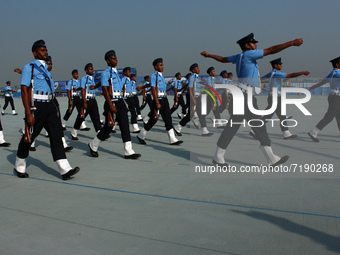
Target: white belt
{"points": [[335, 92], [90, 95], [75, 94], [161, 94], [197, 94], [7, 95], [134, 93], [244, 87], [179, 93], [46, 97]]}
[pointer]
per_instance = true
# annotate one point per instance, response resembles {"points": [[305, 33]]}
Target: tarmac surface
{"points": [[160, 205]]}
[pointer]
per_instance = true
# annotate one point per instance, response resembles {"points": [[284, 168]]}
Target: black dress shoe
{"points": [[133, 156], [253, 135], [5, 144], [208, 134], [290, 137], [15, 114], [64, 128], [220, 164], [92, 152], [179, 116], [20, 175], [176, 143], [177, 133], [313, 138], [114, 131], [140, 120], [32, 149], [85, 129], [68, 148], [70, 173], [281, 161], [141, 141], [47, 136], [136, 132], [74, 138]]}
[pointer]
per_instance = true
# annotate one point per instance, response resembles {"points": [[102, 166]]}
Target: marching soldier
{"points": [[248, 74], [178, 99], [42, 103], [114, 108], [135, 96], [9, 98], [146, 94], [333, 100], [195, 119], [128, 94], [74, 100], [195, 102], [147, 99], [67, 148], [275, 78], [88, 92], [225, 99], [160, 105], [210, 103]]}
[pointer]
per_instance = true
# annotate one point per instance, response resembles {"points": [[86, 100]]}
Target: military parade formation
{"points": [[194, 98]]}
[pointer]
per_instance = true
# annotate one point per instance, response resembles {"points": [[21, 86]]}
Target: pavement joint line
{"points": [[182, 199], [120, 232]]}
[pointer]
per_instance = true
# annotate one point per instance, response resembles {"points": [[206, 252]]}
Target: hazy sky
{"points": [[78, 32]]}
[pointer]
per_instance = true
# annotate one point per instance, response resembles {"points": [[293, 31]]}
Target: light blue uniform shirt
{"points": [[275, 79], [211, 81], [39, 81], [178, 84], [246, 66], [127, 83], [195, 78], [87, 81], [73, 84], [133, 86], [116, 81], [334, 79], [8, 93], [161, 84]]}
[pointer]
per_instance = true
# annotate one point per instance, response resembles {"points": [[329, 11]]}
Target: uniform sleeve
{"points": [[330, 75], [175, 84], [123, 81], [268, 75], [69, 84], [254, 54], [26, 75], [153, 80], [280, 75], [191, 82], [104, 79], [83, 82], [232, 59]]}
